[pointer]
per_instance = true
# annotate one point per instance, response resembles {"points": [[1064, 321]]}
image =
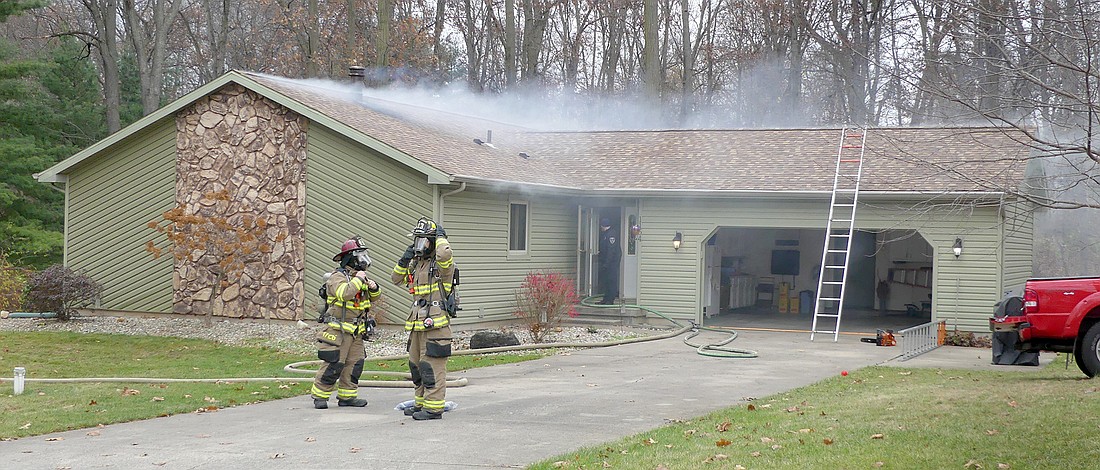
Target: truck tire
{"points": [[1087, 352]]}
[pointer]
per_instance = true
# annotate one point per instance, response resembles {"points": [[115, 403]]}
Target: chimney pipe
{"points": [[489, 137], [357, 72]]}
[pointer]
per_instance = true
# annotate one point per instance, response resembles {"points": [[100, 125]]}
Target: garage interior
{"points": [[767, 278]]}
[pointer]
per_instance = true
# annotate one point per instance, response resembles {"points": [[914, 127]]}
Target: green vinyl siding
{"points": [[1019, 238], [477, 225], [964, 289], [110, 200], [353, 190]]}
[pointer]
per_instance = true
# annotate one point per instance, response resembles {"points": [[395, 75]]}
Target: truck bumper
{"points": [[1018, 324]]}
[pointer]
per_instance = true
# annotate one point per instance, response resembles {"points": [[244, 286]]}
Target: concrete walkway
{"points": [[509, 416]]}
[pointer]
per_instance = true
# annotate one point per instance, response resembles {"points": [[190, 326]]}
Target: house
{"points": [[748, 207]]}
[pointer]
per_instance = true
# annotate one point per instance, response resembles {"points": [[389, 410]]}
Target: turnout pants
{"points": [[428, 352], [341, 368]]}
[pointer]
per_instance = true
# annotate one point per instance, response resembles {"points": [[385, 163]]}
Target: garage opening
{"points": [[768, 277]]}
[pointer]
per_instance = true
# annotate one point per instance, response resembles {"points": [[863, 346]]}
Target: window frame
{"points": [[526, 227]]}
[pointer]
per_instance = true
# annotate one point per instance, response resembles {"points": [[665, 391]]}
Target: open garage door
{"points": [[767, 277]]}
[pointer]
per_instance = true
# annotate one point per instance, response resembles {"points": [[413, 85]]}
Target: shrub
{"points": [[543, 301], [61, 290], [13, 281], [967, 339]]}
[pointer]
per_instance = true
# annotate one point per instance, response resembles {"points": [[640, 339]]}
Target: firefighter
{"points": [[349, 293], [610, 252], [427, 268]]}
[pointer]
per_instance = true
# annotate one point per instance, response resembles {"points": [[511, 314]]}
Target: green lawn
{"points": [[50, 407], [882, 417]]}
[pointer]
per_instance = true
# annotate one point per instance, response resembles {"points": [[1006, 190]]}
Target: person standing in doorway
{"points": [[609, 255]]}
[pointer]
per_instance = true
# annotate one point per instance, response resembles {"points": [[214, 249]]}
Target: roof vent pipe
{"points": [[357, 72], [489, 136]]}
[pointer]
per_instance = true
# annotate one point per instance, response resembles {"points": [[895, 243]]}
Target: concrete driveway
{"points": [[508, 416]]}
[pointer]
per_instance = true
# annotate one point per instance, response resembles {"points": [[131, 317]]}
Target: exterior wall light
{"points": [[958, 247], [677, 240]]}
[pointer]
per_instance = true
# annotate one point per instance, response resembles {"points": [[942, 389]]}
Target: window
{"points": [[517, 227]]}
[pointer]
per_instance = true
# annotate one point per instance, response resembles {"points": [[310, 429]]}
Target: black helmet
{"points": [[425, 228]]}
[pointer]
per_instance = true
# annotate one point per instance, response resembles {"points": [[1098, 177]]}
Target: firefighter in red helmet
{"points": [[428, 269], [348, 293]]}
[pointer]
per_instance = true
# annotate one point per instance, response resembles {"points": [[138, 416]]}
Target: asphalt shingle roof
{"points": [[930, 160]]}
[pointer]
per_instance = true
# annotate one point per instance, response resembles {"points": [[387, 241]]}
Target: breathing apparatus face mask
{"points": [[422, 247], [359, 261]]}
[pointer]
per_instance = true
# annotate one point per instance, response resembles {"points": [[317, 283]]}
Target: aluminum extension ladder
{"points": [[838, 232]]}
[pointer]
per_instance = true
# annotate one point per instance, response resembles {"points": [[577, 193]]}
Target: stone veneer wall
{"points": [[237, 140]]}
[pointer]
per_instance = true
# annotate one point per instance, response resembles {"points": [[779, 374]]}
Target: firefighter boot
{"points": [[320, 403], [352, 402], [424, 414], [411, 410]]}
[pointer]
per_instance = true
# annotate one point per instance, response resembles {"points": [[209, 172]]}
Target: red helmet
{"points": [[352, 244]]}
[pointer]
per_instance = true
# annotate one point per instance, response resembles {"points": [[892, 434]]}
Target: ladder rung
{"points": [[844, 190], [839, 235], [844, 205], [830, 315], [832, 282], [838, 251], [826, 331], [842, 220], [834, 267], [853, 135], [828, 298]]}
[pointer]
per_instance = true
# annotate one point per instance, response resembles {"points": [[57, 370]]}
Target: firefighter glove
{"points": [[408, 256]]}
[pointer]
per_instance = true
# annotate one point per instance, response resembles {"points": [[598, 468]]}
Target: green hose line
{"points": [[712, 349]]}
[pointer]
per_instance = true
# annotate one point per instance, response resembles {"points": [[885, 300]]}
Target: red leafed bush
{"points": [[544, 300]]}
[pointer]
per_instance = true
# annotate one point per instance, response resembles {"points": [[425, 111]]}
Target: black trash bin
{"points": [[1004, 342]]}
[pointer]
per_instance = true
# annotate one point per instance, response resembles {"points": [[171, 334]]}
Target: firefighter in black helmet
{"points": [[427, 268], [347, 318]]}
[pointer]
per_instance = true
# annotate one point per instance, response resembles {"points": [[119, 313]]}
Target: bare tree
{"points": [[148, 25]]}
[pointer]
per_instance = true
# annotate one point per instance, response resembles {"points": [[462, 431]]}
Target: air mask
{"points": [[422, 247]]}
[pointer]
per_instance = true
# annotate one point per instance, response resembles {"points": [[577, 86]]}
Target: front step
{"points": [[607, 316]]}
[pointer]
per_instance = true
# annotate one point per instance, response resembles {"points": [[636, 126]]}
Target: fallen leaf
{"points": [[755, 454], [659, 466], [992, 432], [560, 464], [92, 403], [311, 439], [54, 439], [878, 464], [827, 441], [792, 409], [690, 432], [1012, 403], [354, 450], [716, 457], [724, 426], [805, 430], [973, 464], [129, 391], [649, 442], [278, 455], [751, 407], [158, 398], [877, 436], [722, 442], [908, 372], [1003, 466], [765, 440], [25, 426], [776, 447], [93, 433], [739, 467]]}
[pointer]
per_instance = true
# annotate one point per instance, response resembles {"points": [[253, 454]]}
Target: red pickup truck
{"points": [[1059, 314]]}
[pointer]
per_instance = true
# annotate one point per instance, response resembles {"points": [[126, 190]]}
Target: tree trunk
{"points": [[437, 33], [534, 28], [352, 52], [687, 80], [105, 15], [650, 67], [382, 36], [510, 40], [149, 36]]}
